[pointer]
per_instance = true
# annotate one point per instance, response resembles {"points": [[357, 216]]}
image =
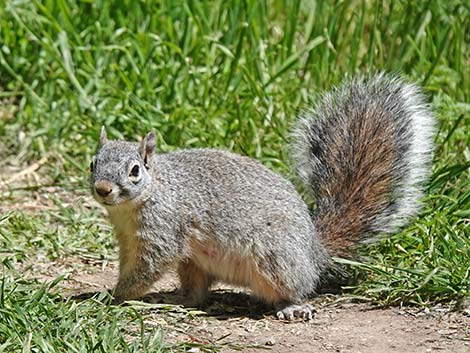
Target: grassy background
{"points": [[213, 74]]}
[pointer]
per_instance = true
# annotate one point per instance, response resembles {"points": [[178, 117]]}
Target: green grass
{"points": [[36, 318], [214, 74]]}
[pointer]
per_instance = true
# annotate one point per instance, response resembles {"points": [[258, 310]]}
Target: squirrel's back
{"points": [[231, 188]]}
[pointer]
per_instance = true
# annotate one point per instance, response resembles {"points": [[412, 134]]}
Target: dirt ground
{"points": [[239, 322]]}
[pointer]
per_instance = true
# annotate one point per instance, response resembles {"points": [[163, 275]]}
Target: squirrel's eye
{"points": [[91, 166], [134, 171]]}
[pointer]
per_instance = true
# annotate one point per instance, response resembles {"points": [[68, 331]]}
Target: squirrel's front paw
{"points": [[117, 298], [291, 312]]}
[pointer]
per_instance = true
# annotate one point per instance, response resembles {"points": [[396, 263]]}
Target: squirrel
{"points": [[364, 151]]}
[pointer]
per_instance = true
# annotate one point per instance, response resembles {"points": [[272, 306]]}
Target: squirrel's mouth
{"points": [[116, 204], [109, 200]]}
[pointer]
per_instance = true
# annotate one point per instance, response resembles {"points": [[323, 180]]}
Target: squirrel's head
{"points": [[120, 170]]}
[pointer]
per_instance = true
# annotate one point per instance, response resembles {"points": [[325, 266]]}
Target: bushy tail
{"points": [[365, 150]]}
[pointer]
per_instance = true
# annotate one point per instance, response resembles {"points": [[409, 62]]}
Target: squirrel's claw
{"points": [[291, 312]]}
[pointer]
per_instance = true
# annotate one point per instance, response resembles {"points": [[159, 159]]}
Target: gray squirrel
{"points": [[364, 151]]}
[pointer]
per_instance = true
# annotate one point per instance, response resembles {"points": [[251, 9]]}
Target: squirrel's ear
{"points": [[103, 137], [147, 147]]}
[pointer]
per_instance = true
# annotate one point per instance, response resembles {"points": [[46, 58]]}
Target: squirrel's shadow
{"points": [[223, 304], [220, 304]]}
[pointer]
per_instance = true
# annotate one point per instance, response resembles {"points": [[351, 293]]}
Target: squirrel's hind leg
{"points": [[195, 283], [286, 309]]}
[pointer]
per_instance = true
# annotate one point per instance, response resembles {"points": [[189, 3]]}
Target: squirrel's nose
{"points": [[103, 188]]}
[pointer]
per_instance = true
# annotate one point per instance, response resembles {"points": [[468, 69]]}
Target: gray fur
{"points": [[230, 209]]}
